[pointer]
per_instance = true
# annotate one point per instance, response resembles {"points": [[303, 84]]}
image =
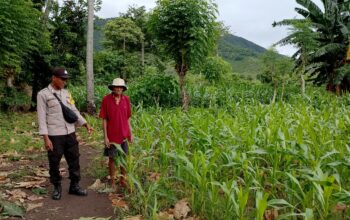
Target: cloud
{"points": [[112, 8], [250, 19]]}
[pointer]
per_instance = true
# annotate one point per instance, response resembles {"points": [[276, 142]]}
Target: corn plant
{"points": [[234, 155]]}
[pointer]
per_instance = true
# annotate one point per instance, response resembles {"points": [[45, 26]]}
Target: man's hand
{"points": [[88, 128], [48, 143], [106, 142]]}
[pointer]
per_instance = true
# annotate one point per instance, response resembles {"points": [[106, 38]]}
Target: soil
{"points": [[71, 206]]}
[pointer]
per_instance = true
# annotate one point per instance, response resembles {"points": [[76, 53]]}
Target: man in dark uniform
{"points": [[59, 135]]}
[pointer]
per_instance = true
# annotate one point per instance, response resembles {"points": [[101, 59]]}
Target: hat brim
{"points": [[63, 77], [111, 87]]}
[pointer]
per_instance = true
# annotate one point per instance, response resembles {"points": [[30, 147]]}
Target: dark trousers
{"points": [[68, 146]]}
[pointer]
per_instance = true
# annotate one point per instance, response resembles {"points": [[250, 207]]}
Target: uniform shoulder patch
{"points": [[70, 100]]}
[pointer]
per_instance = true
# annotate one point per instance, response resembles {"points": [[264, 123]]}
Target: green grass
{"points": [[234, 155], [19, 174], [245, 158], [19, 132], [98, 167]]}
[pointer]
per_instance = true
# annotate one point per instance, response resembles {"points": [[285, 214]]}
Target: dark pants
{"points": [[68, 146], [112, 151]]}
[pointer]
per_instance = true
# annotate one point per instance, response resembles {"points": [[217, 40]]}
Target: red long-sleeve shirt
{"points": [[117, 116]]}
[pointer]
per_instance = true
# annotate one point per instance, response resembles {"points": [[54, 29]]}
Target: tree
{"points": [[187, 31], [107, 64], [140, 17], [91, 108], [122, 31], [62, 42], [68, 36], [332, 27], [137, 15], [19, 25], [36, 68], [276, 70], [302, 35], [20, 36]]}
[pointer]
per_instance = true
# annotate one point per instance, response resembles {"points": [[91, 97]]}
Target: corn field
{"points": [[244, 159]]}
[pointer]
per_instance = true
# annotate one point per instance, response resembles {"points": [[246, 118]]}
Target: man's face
{"points": [[59, 82], [118, 90]]}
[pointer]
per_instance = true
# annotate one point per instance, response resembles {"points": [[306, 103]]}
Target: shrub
{"points": [[79, 96], [155, 89], [12, 99], [112, 64], [107, 66], [215, 68]]}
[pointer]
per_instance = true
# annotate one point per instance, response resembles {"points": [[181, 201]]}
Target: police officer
{"points": [[59, 135]]}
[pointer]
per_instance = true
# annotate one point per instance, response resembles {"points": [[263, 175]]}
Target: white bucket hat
{"points": [[118, 82]]}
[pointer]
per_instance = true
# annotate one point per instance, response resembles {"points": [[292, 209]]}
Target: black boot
{"points": [[56, 194], [75, 189]]}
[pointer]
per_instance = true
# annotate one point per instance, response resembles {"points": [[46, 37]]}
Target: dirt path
{"points": [[74, 207]]}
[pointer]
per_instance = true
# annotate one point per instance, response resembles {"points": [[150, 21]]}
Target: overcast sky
{"points": [[250, 19]]}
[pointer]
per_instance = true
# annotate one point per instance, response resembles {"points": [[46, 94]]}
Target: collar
{"points": [[50, 87], [121, 96]]}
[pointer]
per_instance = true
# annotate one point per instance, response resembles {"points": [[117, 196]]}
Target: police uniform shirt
{"points": [[50, 116]]}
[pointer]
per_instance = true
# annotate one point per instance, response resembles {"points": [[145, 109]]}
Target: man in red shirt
{"points": [[116, 112]]}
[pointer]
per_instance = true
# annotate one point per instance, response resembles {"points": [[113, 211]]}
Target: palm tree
{"points": [[301, 35], [91, 108], [331, 31]]}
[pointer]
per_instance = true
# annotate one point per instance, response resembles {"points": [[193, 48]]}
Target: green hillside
{"points": [[239, 52], [98, 33]]}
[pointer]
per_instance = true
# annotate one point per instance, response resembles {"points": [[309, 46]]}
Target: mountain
{"points": [[242, 54]]}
